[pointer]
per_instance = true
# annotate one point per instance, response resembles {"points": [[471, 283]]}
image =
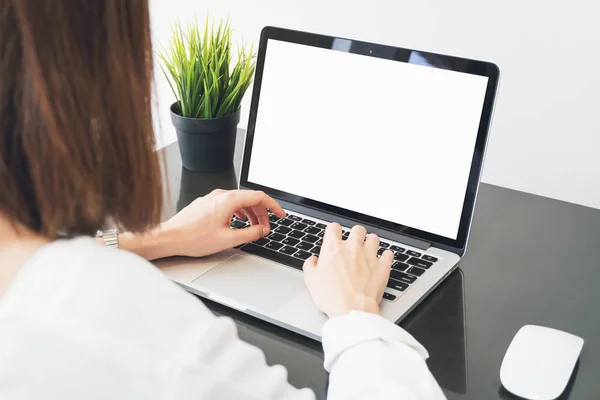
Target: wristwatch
{"points": [[110, 237]]}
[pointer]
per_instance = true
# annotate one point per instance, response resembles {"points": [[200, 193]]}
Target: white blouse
{"points": [[82, 321]]}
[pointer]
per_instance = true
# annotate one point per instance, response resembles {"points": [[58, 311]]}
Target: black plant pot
{"points": [[205, 144]]}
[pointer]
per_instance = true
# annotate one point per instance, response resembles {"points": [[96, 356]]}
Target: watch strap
{"points": [[111, 238]]}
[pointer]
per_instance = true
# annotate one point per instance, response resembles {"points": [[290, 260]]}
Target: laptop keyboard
{"points": [[293, 239]]}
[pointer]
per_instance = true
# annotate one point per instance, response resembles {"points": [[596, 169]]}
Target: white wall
{"points": [[545, 135]]}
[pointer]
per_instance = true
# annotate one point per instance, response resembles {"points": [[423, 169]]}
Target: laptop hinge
{"points": [[396, 237]]}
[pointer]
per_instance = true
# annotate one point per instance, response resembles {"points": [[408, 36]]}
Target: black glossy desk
{"points": [[530, 260]]}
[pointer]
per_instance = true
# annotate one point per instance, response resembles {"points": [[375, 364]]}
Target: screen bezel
{"points": [[398, 54]]}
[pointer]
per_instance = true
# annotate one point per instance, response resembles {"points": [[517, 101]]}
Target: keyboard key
{"points": [[238, 224], [419, 263], [400, 256], [380, 252], [310, 238], [283, 230], [344, 237], [385, 245], [321, 226], [345, 233], [303, 255], [402, 277], [416, 271], [304, 246], [397, 248], [389, 296], [429, 258], [276, 237], [312, 230], [262, 241], [285, 222], [299, 225], [319, 243], [316, 250], [292, 242], [321, 234], [397, 265], [394, 284], [413, 253], [273, 218], [274, 245], [308, 222], [296, 234], [288, 250], [273, 255], [294, 217]]}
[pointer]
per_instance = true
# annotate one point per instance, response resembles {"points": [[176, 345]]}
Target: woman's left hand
{"points": [[202, 228]]}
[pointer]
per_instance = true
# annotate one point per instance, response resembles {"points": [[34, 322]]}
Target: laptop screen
{"points": [[387, 139]]}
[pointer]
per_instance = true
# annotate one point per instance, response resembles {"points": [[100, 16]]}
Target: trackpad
{"points": [[253, 282]]}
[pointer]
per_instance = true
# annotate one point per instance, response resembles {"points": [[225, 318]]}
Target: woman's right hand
{"points": [[348, 276]]}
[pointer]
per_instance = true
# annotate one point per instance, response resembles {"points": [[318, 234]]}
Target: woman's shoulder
{"points": [[85, 262], [79, 281], [78, 306]]}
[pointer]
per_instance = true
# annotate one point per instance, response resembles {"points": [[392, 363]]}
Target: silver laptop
{"points": [[356, 133]]}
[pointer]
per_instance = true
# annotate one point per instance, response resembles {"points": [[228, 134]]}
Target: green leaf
{"points": [[202, 74]]}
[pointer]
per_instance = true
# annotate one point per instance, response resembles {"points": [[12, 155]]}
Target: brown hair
{"points": [[76, 138]]}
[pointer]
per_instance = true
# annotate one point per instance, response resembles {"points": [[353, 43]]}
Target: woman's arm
{"points": [[154, 244], [202, 228], [151, 245], [369, 357]]}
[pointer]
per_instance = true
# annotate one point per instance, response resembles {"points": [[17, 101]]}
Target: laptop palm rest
{"points": [[251, 282]]}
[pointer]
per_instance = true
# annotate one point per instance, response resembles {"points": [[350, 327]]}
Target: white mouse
{"points": [[539, 362]]}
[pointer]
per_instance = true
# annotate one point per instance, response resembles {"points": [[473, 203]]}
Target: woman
{"points": [[76, 154]]}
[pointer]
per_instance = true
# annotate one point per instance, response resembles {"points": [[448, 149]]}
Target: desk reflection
{"points": [[198, 184], [438, 323]]}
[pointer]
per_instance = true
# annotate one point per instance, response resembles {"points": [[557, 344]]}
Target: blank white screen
{"points": [[383, 138]]}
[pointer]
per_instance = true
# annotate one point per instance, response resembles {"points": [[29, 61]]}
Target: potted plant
{"points": [[209, 86]]}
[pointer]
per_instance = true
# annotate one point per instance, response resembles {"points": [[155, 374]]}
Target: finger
{"points": [[386, 260], [262, 216], [382, 271], [372, 244], [310, 263], [240, 214], [278, 210], [309, 267], [215, 192], [248, 198], [235, 237], [357, 235], [333, 234], [251, 216]]}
